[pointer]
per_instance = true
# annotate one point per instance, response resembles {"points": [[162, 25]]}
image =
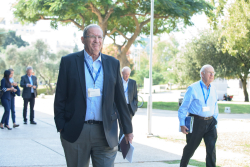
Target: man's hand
{"points": [[184, 129], [129, 137], [29, 85], [14, 90], [34, 87]]}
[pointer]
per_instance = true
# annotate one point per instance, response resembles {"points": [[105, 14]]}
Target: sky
{"points": [[200, 23]]}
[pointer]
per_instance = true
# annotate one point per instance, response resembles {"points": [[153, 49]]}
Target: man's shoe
{"points": [[33, 122], [24, 122], [15, 125]]}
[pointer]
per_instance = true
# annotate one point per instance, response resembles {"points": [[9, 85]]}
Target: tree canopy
{"points": [[207, 48], [120, 18], [10, 37], [37, 55], [236, 32]]}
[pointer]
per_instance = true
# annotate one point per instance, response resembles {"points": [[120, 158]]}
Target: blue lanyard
{"points": [[97, 74], [205, 99]]}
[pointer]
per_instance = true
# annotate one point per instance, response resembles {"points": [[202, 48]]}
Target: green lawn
{"points": [[191, 162], [235, 108]]}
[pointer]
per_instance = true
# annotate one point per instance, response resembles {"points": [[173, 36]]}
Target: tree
{"points": [[164, 53], [205, 49], [11, 38], [237, 38], [119, 18], [2, 36], [37, 55], [76, 48]]}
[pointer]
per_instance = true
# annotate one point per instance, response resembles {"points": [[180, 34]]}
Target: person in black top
{"points": [[5, 99]]}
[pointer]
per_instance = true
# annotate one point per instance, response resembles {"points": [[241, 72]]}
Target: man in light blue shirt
{"points": [[29, 84], [200, 101], [94, 107], [88, 89]]}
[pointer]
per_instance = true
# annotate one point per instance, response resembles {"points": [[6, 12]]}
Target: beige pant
{"points": [[91, 142]]}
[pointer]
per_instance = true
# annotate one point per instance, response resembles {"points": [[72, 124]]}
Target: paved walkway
{"points": [[39, 145]]}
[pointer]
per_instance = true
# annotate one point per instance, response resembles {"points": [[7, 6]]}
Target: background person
{"points": [[89, 83], [5, 99], [29, 85], [12, 98], [200, 101], [130, 91]]}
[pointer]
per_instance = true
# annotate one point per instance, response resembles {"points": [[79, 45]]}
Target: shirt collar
{"points": [[124, 80], [30, 76], [87, 56], [204, 85], [11, 80]]}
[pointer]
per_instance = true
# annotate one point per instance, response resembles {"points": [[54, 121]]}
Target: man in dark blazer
{"points": [[130, 91], [89, 83], [29, 85]]}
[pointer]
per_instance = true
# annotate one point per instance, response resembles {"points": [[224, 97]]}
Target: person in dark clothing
{"points": [[12, 95], [5, 99]]}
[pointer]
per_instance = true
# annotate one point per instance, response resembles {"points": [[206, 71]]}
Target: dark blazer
{"points": [[132, 95], [27, 90], [70, 98], [4, 86]]}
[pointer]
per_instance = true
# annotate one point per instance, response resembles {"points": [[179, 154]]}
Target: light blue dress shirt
{"points": [[125, 87], [194, 101], [94, 104], [31, 82], [11, 80]]}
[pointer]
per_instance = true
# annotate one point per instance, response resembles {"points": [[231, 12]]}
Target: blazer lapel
{"points": [[81, 72], [32, 77], [105, 76], [28, 79]]}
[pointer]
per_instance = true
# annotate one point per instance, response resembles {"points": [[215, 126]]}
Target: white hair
{"points": [[204, 68], [29, 68], [126, 68], [85, 31]]}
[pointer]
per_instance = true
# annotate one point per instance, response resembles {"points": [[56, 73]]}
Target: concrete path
{"points": [[39, 145]]}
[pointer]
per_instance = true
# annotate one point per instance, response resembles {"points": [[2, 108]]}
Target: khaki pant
{"points": [[91, 142]]}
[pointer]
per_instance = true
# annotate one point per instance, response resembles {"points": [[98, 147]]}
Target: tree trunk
{"points": [[244, 85], [122, 57], [50, 90]]}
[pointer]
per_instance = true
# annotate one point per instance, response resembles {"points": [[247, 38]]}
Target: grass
{"points": [[163, 105], [191, 162], [235, 108]]}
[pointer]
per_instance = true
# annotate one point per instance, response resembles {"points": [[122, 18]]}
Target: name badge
{"points": [[205, 109], [94, 92]]}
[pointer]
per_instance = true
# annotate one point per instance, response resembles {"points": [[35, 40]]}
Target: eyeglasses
{"points": [[94, 37], [211, 73]]}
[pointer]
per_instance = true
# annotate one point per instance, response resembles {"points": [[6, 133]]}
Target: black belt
{"points": [[204, 118], [92, 122]]}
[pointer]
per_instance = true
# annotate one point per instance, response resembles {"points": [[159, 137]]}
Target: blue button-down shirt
{"points": [[193, 102], [11, 80], [94, 104], [125, 87], [31, 82]]}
